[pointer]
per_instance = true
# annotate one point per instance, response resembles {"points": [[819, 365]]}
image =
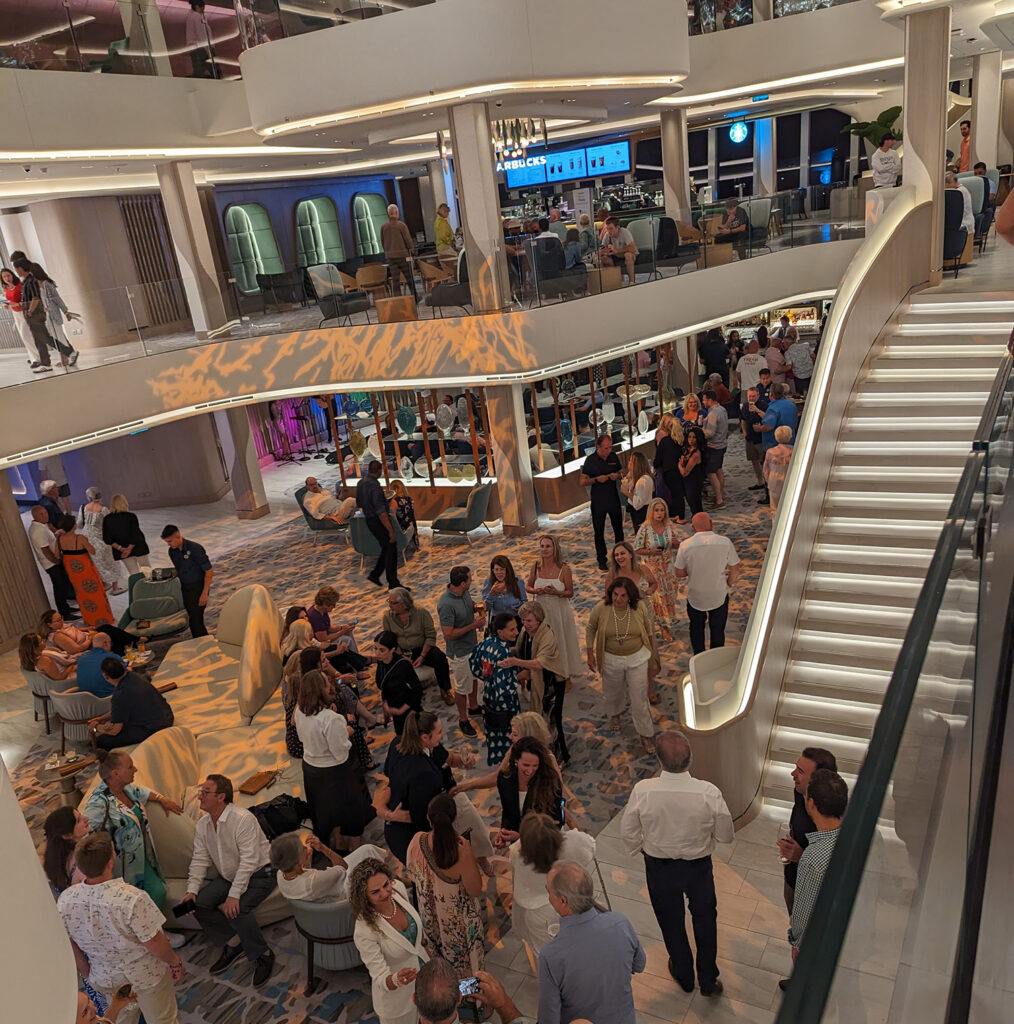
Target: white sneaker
{"points": [[176, 940]]}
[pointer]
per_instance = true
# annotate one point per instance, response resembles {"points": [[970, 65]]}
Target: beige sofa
{"points": [[237, 670], [174, 762]]}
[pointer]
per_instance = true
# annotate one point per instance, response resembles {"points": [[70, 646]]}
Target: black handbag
{"points": [[284, 813], [497, 719]]}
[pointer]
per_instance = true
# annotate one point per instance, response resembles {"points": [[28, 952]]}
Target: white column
{"points": [[144, 30], [713, 160], [927, 61], [765, 157], [676, 164], [24, 596], [193, 246], [479, 207], [804, 157], [987, 77], [240, 456], [442, 183], [514, 484], [1005, 150]]}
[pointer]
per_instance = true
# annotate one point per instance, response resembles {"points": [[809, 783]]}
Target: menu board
{"points": [[565, 166], [612, 158]]}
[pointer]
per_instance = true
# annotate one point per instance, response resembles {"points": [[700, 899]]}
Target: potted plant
{"points": [[873, 131]]}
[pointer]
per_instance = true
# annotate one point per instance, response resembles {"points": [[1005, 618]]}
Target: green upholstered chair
{"points": [[469, 517], [253, 248], [326, 930], [157, 602], [319, 526], [318, 237]]}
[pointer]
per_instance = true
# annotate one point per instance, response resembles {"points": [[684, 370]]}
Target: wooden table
{"points": [[69, 794]]}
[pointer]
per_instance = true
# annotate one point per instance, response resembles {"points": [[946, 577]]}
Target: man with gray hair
{"points": [[675, 821], [437, 995], [396, 241], [585, 971]]}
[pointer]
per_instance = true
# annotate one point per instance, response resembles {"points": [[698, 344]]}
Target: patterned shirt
{"points": [[110, 922], [812, 865]]}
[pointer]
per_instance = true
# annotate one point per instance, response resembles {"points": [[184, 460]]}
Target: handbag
{"points": [[500, 720]]}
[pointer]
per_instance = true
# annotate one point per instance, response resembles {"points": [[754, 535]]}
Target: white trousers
{"points": [[158, 1004], [133, 563], [26, 336], [626, 675]]}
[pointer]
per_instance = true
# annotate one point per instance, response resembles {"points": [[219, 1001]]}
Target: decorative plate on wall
{"points": [[350, 407], [444, 417], [422, 467], [608, 412], [357, 444], [567, 388], [406, 466], [365, 407], [463, 411], [642, 422], [454, 473], [468, 473], [374, 445], [566, 432]]}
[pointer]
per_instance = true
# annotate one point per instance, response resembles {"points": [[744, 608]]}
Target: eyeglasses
{"points": [[207, 792]]}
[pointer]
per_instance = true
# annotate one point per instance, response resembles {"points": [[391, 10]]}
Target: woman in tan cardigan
{"points": [[544, 673], [618, 643]]}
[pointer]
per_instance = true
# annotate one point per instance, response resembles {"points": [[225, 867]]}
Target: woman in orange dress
{"points": [[76, 553]]}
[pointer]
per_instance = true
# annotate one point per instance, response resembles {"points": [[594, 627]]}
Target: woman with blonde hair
{"points": [[638, 485], [122, 532], [657, 542], [668, 448], [550, 582], [92, 517], [691, 412], [776, 464], [36, 657]]}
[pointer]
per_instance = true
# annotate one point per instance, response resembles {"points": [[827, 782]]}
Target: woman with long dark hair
{"points": [[500, 701], [502, 590], [63, 828], [530, 782], [448, 883], [332, 781]]}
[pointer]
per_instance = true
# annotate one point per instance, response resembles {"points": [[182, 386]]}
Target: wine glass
{"points": [[784, 832]]}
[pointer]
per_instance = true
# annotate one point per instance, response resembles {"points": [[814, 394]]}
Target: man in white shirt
{"points": [[674, 821], [885, 164], [951, 180], [750, 365], [800, 358], [322, 504], [231, 839], [710, 565], [116, 933], [43, 542]]}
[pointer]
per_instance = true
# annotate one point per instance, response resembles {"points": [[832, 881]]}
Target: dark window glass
{"points": [[697, 148], [787, 131]]}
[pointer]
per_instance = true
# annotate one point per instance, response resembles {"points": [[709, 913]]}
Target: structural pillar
{"points": [[676, 164], [514, 483], [193, 246], [25, 598], [927, 62], [987, 79], [442, 183], [765, 157], [240, 456], [143, 27], [1005, 149], [479, 207]]}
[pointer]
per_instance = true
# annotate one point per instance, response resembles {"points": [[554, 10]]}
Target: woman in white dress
{"points": [[389, 937], [92, 516], [541, 845], [551, 584]]}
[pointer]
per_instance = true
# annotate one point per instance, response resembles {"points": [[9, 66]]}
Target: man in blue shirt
{"points": [[193, 567], [585, 971], [136, 711], [370, 499], [781, 412], [89, 666]]}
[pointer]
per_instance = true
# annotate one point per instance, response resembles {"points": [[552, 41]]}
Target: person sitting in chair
{"points": [[734, 224], [322, 504]]}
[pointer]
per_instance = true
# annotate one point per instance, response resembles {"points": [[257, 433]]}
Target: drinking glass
{"points": [[783, 833]]}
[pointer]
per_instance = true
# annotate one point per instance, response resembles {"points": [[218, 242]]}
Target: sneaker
{"points": [[39, 368], [263, 966], [73, 358], [716, 990], [176, 940], [477, 711], [43, 369], [225, 959], [467, 728]]}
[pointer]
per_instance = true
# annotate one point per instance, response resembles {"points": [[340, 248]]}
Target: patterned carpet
{"points": [[604, 767]]}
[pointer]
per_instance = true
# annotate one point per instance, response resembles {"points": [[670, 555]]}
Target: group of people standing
{"points": [[39, 313]]}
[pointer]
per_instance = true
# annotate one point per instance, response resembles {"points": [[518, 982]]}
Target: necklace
{"points": [[626, 624], [389, 917]]}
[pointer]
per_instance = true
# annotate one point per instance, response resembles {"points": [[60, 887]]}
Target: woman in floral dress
{"points": [[448, 883], [656, 542], [500, 701]]}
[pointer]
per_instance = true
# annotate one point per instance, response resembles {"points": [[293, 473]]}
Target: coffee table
{"points": [[69, 794]]}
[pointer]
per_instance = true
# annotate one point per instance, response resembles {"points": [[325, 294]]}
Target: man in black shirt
{"points": [[714, 354], [764, 385], [136, 710], [800, 822], [601, 471], [370, 498], [734, 225], [193, 567]]}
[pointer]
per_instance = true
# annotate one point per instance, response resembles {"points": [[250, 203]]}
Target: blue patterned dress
{"points": [[499, 695]]}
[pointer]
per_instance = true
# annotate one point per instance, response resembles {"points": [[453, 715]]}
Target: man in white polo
{"points": [[710, 565]]}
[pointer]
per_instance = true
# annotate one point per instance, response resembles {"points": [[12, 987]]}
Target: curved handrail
{"points": [[773, 574]]}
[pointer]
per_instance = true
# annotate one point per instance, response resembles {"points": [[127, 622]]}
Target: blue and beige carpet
{"points": [[604, 765]]}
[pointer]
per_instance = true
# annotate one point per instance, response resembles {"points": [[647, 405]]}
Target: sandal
{"points": [[649, 744], [614, 724], [653, 698]]}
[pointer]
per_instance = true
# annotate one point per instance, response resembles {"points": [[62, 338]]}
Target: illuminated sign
{"points": [[566, 165], [738, 132], [613, 158], [520, 164]]}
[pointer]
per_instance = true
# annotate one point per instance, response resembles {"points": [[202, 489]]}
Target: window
{"points": [[369, 212], [253, 248], [318, 238]]}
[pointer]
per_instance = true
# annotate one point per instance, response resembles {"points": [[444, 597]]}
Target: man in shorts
{"points": [[748, 421], [459, 622]]}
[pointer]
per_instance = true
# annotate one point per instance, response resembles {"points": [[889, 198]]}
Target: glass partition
{"points": [[884, 934]]}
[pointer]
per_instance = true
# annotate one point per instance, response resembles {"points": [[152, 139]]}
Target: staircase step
{"points": [[812, 678], [778, 793], [891, 591], [906, 533], [786, 743], [926, 403], [806, 713], [962, 374], [888, 505], [874, 620], [885, 561], [939, 481]]}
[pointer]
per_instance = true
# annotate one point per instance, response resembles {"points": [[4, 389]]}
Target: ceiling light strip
{"points": [[470, 93], [162, 153]]}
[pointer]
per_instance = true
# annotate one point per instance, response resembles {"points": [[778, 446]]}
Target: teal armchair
{"points": [[471, 516]]}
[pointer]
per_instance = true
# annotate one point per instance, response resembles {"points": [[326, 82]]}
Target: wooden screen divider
{"points": [[425, 437]]}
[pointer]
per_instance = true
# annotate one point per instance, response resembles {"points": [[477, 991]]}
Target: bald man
{"points": [[710, 565]]}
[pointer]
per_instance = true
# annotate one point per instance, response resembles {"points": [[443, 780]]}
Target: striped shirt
{"points": [[812, 865]]}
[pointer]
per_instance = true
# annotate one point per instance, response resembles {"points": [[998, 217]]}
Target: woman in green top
{"points": [[618, 641], [117, 807], [417, 637]]}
